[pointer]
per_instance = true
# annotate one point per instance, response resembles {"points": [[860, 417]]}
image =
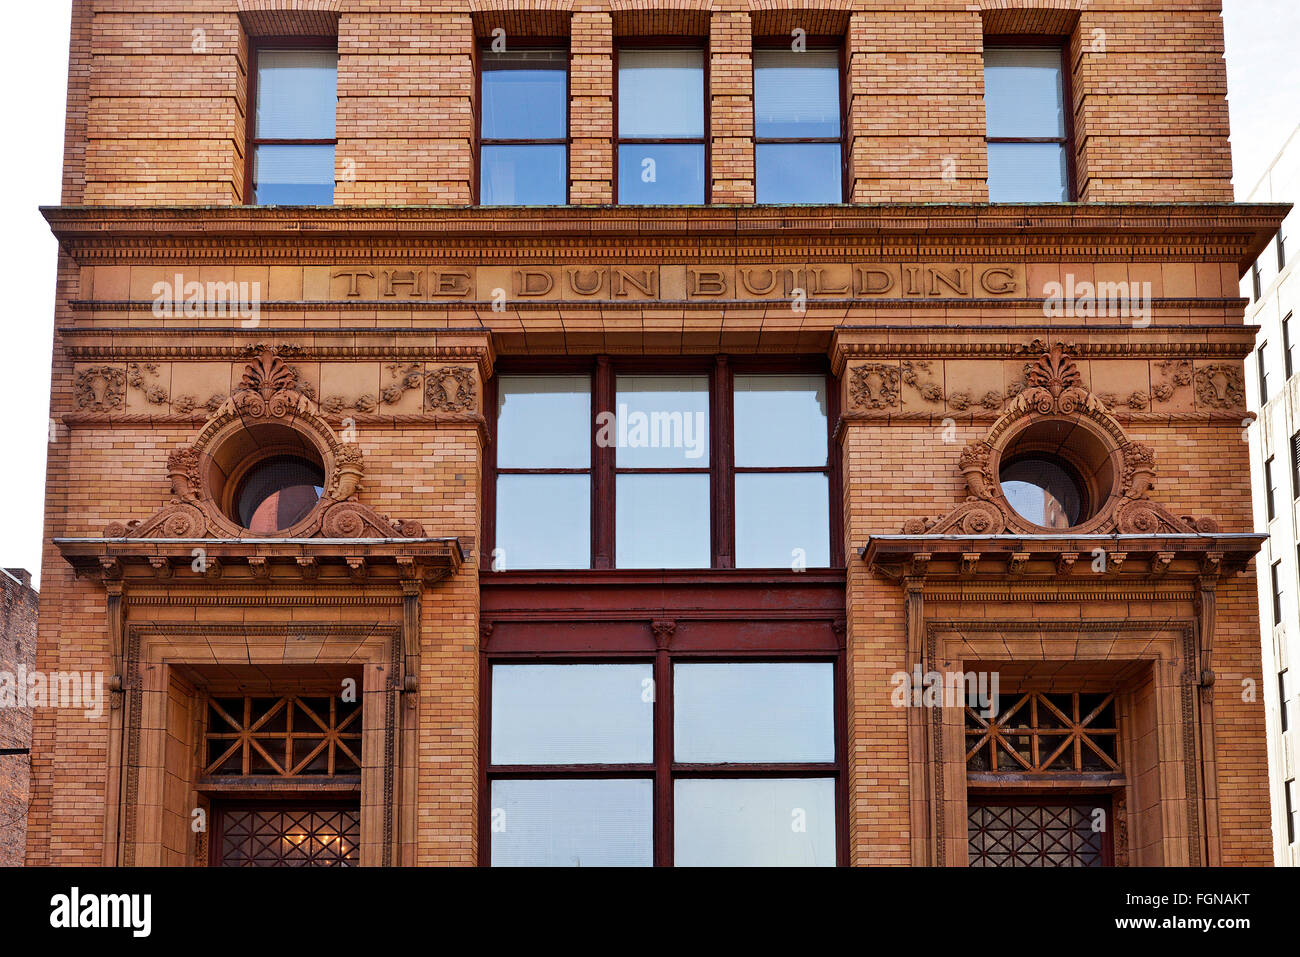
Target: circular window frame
{"points": [[1092, 460], [228, 459]]}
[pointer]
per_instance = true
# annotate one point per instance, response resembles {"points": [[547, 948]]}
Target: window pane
{"points": [[777, 822], [572, 714], [796, 94], [297, 94], [523, 175], [524, 95], [294, 175], [660, 174], [542, 421], [799, 173], [663, 421], [780, 420], [662, 521], [598, 823], [543, 521], [661, 94], [783, 520], [1023, 92], [1027, 173], [759, 712]]}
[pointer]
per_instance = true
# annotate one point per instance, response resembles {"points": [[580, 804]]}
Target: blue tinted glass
{"points": [[666, 174], [799, 173], [661, 94], [1023, 92], [523, 175], [1027, 173], [524, 95], [294, 175], [796, 94], [297, 94]]}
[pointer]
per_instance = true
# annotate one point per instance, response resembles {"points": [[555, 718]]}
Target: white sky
{"points": [[1263, 82]]}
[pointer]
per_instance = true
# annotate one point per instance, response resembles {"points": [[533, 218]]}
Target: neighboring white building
{"points": [[1273, 391]]}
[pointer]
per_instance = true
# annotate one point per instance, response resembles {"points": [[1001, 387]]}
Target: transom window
{"points": [[585, 770], [524, 127], [708, 467], [293, 126], [797, 126], [1027, 124], [1045, 733], [288, 736], [661, 126]]}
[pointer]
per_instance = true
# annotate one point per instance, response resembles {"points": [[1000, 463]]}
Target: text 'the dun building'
{"points": [[624, 432]]}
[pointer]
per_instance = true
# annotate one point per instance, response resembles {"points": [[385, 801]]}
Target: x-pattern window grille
{"points": [[290, 838], [1034, 835], [1044, 734], [287, 737]]}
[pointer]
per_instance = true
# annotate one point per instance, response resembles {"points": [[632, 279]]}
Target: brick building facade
{"points": [[331, 511], [18, 607]]}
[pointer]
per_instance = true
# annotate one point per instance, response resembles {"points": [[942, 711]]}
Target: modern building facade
{"points": [[533, 432], [1275, 463]]}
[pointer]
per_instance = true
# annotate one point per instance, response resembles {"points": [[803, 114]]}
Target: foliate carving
{"points": [[1054, 384], [1175, 374], [915, 373], [1220, 386], [875, 386], [183, 469], [663, 630], [1137, 401], [266, 391], [450, 389], [100, 388], [142, 376], [188, 403], [1053, 388], [334, 404], [961, 401], [405, 378]]}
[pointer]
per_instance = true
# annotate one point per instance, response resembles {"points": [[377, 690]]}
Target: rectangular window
{"points": [[293, 127], [524, 127], [1284, 698], [1295, 466], [657, 485], [662, 460], [797, 126], [1276, 577], [782, 471], [1027, 124], [543, 490], [661, 127], [1288, 347], [1281, 246], [1261, 360], [1292, 809], [576, 764], [1271, 484], [1255, 283]]}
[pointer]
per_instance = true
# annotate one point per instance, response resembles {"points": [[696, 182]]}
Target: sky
{"points": [[1263, 82]]}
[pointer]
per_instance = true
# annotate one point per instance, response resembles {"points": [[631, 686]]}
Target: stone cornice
{"points": [[1122, 232], [1109, 341]]}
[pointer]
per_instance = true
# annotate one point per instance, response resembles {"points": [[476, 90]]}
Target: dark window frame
{"points": [[801, 645], [1284, 715], [256, 47], [722, 469], [1275, 578], [525, 43], [1288, 792], [1270, 486], [1288, 347], [1067, 142], [814, 43], [1261, 362], [1295, 466], [666, 43]]}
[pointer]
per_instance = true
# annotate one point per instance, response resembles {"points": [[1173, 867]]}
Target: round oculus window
{"points": [[1043, 490], [278, 492]]}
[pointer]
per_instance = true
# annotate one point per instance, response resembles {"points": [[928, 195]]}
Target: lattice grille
{"points": [[288, 837], [1045, 733], [285, 737], [1034, 835]]}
